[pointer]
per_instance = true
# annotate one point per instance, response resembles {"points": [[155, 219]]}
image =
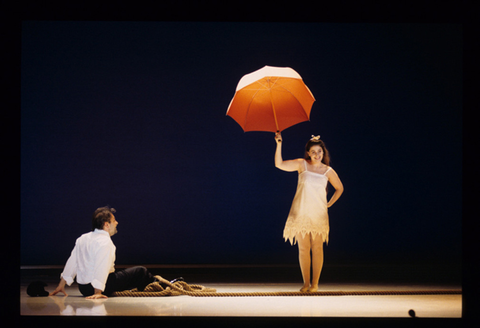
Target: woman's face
{"points": [[316, 153]]}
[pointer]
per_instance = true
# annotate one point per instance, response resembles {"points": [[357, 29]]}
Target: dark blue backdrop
{"points": [[132, 114]]}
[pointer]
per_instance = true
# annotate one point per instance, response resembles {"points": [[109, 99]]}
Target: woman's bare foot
{"points": [[304, 289], [313, 289]]}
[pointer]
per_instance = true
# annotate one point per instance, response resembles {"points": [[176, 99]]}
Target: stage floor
{"points": [[263, 279], [391, 306]]}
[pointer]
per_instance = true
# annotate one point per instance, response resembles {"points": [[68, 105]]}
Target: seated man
{"points": [[92, 262]]}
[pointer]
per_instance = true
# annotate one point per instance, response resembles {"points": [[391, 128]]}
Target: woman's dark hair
{"points": [[315, 142], [102, 215]]}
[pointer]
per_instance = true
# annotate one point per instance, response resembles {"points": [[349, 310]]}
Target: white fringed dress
{"points": [[309, 212]]}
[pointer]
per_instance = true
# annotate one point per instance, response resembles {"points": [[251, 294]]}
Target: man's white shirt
{"points": [[92, 260]]}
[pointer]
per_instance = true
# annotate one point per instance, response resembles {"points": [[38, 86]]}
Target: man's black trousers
{"points": [[135, 277]]}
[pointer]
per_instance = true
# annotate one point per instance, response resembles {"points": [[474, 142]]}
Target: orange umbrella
{"points": [[271, 99]]}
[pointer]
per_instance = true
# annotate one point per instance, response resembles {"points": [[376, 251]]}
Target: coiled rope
{"points": [[182, 288]]}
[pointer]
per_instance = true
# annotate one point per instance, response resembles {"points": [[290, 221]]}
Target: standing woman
{"points": [[307, 221]]}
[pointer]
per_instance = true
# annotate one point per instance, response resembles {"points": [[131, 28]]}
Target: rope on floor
{"points": [[182, 288]]}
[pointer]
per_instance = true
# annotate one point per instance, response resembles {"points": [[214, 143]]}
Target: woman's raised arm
{"points": [[290, 165]]}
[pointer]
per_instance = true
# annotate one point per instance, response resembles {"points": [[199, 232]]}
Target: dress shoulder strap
{"points": [[329, 168], [305, 164]]}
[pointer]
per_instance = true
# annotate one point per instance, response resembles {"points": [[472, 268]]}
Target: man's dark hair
{"points": [[102, 215]]}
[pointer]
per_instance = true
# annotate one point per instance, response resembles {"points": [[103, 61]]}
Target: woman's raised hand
{"points": [[278, 137]]}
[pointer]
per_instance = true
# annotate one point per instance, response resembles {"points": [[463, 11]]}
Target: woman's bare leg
{"points": [[304, 259], [317, 262]]}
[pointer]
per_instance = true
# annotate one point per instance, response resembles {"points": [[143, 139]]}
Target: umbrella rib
{"points": [[248, 108], [273, 82], [292, 96], [265, 87], [269, 87]]}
